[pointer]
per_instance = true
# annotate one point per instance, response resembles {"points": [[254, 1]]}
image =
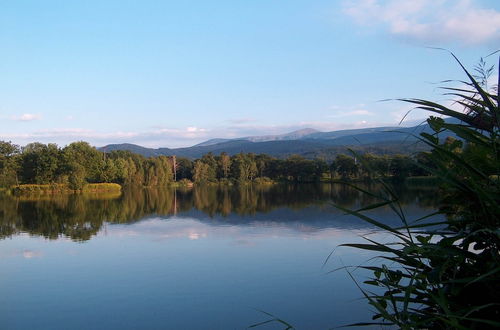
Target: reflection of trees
{"points": [[8, 216], [82, 216], [72, 216]]}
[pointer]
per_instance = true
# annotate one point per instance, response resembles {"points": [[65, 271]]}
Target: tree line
{"points": [[79, 163]]}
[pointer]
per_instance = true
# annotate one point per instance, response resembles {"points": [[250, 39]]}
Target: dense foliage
{"points": [[79, 163], [446, 275]]}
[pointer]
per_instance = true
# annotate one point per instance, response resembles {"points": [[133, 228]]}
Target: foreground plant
{"points": [[446, 274]]}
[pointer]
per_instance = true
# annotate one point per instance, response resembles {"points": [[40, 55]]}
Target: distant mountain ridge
{"points": [[308, 142], [295, 135]]}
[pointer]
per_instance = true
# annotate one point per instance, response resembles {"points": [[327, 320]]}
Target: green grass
{"points": [[264, 180], [181, 183], [101, 187], [60, 188]]}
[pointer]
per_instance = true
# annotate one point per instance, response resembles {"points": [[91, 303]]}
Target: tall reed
{"points": [[445, 274]]}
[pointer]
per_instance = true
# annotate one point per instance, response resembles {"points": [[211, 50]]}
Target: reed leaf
{"points": [[432, 278]]}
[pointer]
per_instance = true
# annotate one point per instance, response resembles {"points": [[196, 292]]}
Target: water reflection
{"points": [[300, 207]]}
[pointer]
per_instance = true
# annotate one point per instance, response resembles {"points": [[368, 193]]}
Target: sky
{"points": [[176, 73]]}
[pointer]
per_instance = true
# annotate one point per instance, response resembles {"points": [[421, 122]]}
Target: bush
{"points": [[101, 187], [58, 188], [53, 188], [225, 182], [185, 183], [263, 180]]}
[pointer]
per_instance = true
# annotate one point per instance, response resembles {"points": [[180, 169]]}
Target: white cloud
{"points": [[176, 137], [429, 21], [360, 112], [166, 137], [27, 117], [188, 133], [159, 137], [185, 227]]}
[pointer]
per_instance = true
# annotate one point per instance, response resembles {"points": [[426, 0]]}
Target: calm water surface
{"points": [[202, 258]]}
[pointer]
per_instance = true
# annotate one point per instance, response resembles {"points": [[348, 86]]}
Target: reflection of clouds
{"points": [[245, 235], [196, 235], [161, 229], [26, 254]]}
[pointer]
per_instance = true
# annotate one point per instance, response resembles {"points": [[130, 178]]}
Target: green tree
{"points": [[211, 168], [121, 170], [9, 163], [184, 168], [39, 163], [225, 164], [87, 156], [346, 166], [76, 179], [165, 171], [320, 167], [201, 172], [262, 162], [244, 167], [109, 171], [401, 166]]}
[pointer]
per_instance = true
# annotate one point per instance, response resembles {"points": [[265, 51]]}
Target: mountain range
{"points": [[309, 143]]}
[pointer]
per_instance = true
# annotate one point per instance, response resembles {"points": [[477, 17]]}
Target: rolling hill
{"points": [[309, 143]]}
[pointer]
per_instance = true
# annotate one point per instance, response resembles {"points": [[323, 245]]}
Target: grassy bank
{"points": [[52, 189], [101, 187], [181, 183], [229, 182]]}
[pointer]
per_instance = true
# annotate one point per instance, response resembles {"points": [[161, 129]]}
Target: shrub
{"points": [[185, 182], [263, 180], [58, 188], [101, 187]]}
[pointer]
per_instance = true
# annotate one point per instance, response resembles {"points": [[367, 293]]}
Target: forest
{"points": [[79, 163]]}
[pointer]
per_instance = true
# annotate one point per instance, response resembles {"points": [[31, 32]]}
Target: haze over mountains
{"points": [[309, 143]]}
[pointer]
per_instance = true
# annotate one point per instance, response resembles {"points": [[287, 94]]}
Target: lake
{"points": [[200, 258]]}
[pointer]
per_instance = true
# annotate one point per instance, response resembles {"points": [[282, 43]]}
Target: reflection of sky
{"points": [[27, 254], [191, 270], [179, 273], [190, 228], [306, 223]]}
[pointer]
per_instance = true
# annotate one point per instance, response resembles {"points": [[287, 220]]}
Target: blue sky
{"points": [[175, 73]]}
